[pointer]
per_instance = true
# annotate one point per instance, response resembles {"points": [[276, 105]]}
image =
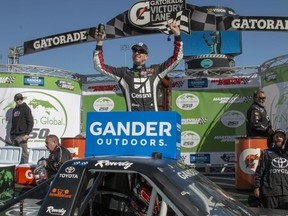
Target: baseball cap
{"points": [[140, 46], [280, 131], [18, 96]]}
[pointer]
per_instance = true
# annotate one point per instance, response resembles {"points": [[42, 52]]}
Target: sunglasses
{"points": [[262, 98], [17, 99], [140, 51]]}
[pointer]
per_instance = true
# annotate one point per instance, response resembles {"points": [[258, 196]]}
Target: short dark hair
{"points": [[54, 138]]}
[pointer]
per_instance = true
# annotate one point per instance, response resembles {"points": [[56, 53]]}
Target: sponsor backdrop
{"points": [[54, 103], [101, 97], [133, 133], [213, 112], [274, 82]]}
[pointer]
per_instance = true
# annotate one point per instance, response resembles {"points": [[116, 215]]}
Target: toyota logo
{"points": [[280, 162], [70, 169]]}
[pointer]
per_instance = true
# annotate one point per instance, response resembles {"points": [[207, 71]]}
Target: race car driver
{"points": [[139, 84]]}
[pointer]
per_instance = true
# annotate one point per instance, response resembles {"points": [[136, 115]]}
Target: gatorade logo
{"points": [[29, 174], [249, 159]]}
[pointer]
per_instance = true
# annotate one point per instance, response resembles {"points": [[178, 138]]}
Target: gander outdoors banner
{"points": [[133, 133], [213, 111], [274, 82], [51, 101]]}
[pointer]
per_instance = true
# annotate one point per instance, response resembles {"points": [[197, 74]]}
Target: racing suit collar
{"points": [[255, 102], [139, 67]]}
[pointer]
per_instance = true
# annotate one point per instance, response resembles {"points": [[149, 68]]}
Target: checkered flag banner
{"points": [[10, 79], [202, 121], [191, 18]]}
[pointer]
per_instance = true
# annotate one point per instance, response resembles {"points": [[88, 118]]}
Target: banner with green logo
{"points": [[274, 82], [101, 97], [54, 103], [213, 111]]}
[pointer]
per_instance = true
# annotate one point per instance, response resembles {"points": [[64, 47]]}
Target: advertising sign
{"points": [[49, 99], [101, 97], [7, 182], [133, 133], [213, 111], [274, 81]]}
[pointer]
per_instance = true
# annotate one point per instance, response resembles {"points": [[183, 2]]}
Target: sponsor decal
{"points": [[70, 169], [104, 88], [190, 139], [144, 90], [280, 165], [135, 133], [80, 163], [270, 76], [153, 14], [103, 104], [61, 193], [249, 159], [224, 100], [194, 121], [187, 174], [199, 158], [220, 10], [228, 138], [69, 173], [57, 40], [53, 211], [233, 119], [29, 174], [134, 129], [131, 128], [206, 63], [198, 83], [187, 101], [231, 81], [178, 84], [107, 163], [33, 81], [65, 85], [228, 157], [260, 23], [7, 80], [208, 56]]}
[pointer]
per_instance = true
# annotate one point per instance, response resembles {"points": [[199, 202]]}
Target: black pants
{"points": [[275, 202]]}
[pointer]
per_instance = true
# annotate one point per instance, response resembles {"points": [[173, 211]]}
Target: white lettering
{"points": [[131, 129]]}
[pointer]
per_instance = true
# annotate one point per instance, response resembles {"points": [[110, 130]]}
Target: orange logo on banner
{"points": [[58, 192], [250, 161]]}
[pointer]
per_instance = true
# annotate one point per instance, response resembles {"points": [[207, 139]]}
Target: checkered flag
{"points": [[202, 121], [10, 79], [247, 99], [192, 18]]}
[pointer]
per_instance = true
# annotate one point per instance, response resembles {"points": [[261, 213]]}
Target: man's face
{"points": [[279, 139], [261, 98], [50, 144], [18, 101], [139, 57]]}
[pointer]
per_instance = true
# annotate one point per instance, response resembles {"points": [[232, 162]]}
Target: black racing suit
{"points": [[258, 122], [271, 176], [56, 158], [139, 84]]}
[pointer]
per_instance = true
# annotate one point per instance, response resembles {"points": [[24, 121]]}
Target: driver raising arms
{"points": [[139, 84]]}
